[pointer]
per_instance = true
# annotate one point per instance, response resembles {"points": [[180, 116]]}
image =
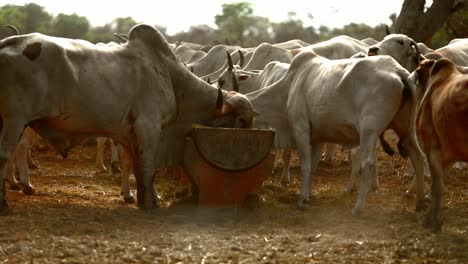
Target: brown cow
{"points": [[442, 124]]}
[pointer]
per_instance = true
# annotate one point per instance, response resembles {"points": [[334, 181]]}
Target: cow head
{"points": [[229, 79], [402, 48], [421, 75], [234, 110]]}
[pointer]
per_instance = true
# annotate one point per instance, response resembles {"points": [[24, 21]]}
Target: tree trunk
{"points": [[420, 25]]}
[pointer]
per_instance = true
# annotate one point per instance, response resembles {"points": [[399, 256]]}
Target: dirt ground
{"points": [[77, 216]]}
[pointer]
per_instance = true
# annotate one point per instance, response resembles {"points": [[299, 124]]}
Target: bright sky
{"points": [[179, 15]]}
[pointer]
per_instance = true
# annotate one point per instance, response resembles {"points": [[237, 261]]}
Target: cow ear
{"points": [[243, 76], [440, 65]]}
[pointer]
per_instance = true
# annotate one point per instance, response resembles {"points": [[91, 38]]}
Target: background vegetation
{"points": [[236, 25]]}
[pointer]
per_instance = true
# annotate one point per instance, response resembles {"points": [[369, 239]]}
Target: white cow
{"points": [[184, 53], [369, 41], [327, 101], [339, 47], [248, 81], [400, 47], [456, 51], [212, 61], [138, 94], [266, 53]]}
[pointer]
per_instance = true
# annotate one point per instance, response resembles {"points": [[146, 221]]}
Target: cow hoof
{"points": [[32, 165], [29, 190], [129, 199], [421, 205], [148, 207], [374, 189], [350, 189], [15, 187], [356, 212], [302, 204], [101, 169], [436, 227], [115, 168], [433, 223], [408, 194], [4, 210]]}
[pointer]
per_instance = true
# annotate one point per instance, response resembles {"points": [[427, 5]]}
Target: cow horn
{"points": [[387, 30], [191, 69], [219, 101], [122, 39], [417, 58], [15, 29], [235, 85], [241, 58], [229, 61], [208, 80]]}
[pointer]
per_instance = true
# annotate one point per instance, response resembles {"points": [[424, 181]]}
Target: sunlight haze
{"points": [[180, 15]]}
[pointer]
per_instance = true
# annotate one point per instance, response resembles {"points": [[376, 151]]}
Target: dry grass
{"points": [[78, 216]]}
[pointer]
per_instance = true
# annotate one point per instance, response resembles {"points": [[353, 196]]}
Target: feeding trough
{"points": [[227, 164]]}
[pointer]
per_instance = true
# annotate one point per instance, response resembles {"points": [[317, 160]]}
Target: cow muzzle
{"points": [[373, 51]]}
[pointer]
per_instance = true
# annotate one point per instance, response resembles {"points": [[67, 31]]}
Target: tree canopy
{"points": [[237, 24]]}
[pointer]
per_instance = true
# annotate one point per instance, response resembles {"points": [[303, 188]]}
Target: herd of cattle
{"points": [[145, 94]]}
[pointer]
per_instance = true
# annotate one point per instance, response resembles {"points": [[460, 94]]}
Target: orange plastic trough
{"points": [[227, 164]]}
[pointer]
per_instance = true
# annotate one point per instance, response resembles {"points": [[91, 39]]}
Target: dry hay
{"points": [[77, 216]]}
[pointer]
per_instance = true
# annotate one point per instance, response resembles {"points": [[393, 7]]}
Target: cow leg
{"points": [[9, 138], [275, 162], [285, 176], [328, 154], [417, 160], [11, 173], [355, 169], [101, 141], [114, 157], [310, 157], [434, 217], [126, 165], [368, 140], [31, 164], [460, 165], [21, 163], [302, 136], [145, 146]]}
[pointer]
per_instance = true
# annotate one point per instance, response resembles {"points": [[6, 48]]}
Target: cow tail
{"points": [[409, 97]]}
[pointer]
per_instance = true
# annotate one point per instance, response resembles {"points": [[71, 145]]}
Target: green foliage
{"points": [[236, 25], [37, 19], [234, 20], [123, 24], [293, 28], [454, 27], [70, 26], [28, 18]]}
